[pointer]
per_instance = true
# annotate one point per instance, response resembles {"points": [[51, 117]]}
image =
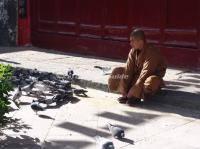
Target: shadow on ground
{"points": [[15, 140], [183, 92], [20, 142], [14, 124], [183, 103], [58, 144], [134, 118]]}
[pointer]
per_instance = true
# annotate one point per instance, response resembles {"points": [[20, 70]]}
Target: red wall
{"points": [[24, 32], [102, 28]]}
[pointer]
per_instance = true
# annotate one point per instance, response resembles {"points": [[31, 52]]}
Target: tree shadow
{"points": [[20, 142], [16, 125], [82, 129], [57, 144], [17, 141], [134, 118]]}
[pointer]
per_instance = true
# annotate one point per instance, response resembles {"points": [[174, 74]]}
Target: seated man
{"points": [[143, 73]]}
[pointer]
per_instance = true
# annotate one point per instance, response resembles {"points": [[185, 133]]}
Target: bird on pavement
{"points": [[29, 87], [79, 92], [116, 131], [17, 94], [106, 70], [104, 143], [35, 106]]}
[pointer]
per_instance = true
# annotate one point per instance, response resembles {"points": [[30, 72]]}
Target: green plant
{"points": [[5, 88]]}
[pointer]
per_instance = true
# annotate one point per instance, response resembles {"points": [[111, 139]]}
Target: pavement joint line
{"points": [[186, 123]]}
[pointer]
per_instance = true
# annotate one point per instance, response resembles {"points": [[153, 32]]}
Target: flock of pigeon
{"points": [[47, 88]]}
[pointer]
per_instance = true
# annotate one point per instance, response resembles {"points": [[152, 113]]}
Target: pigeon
{"points": [[17, 94], [47, 101], [15, 80], [70, 74], [35, 105], [65, 83], [28, 88], [57, 98], [28, 80], [50, 83], [79, 92], [60, 87], [34, 72], [106, 70], [60, 91], [116, 131], [41, 86], [52, 77], [104, 143], [13, 105]]}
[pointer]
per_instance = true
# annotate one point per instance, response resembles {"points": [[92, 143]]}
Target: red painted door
{"points": [[102, 28], [23, 22]]}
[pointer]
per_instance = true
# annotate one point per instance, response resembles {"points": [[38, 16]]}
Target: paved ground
{"points": [[182, 85], [74, 125]]}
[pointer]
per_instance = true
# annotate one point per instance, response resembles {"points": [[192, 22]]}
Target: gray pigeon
{"points": [[28, 88], [57, 98], [116, 131], [17, 94], [106, 70], [35, 105], [47, 101], [104, 143]]}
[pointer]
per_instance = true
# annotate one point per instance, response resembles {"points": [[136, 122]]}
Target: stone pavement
{"points": [[74, 125], [182, 85]]}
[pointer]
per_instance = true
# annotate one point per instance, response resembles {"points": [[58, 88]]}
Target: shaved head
{"points": [[138, 34]]}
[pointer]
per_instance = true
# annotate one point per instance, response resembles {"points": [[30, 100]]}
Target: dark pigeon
{"points": [[104, 143], [79, 92], [35, 105]]}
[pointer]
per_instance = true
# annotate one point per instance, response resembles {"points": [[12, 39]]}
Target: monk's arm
{"points": [[129, 71], [149, 67]]}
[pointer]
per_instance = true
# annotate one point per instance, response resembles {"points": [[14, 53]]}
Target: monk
{"points": [[143, 73]]}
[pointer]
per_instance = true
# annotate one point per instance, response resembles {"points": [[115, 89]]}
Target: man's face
{"points": [[136, 43]]}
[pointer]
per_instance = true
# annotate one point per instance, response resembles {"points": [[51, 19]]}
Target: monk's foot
{"points": [[133, 101], [122, 99]]}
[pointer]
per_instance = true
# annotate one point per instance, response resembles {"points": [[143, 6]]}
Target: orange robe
{"points": [[142, 74]]}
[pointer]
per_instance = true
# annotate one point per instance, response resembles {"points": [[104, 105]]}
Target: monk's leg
{"points": [[115, 79], [152, 84]]}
